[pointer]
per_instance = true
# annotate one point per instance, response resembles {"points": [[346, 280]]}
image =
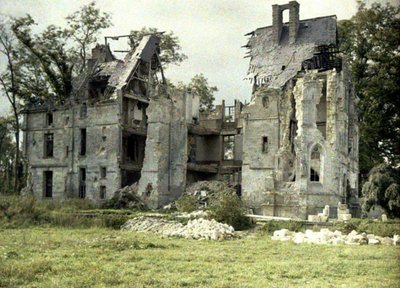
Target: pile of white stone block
{"points": [[343, 212], [320, 217]]}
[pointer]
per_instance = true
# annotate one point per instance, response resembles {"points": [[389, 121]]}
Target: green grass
{"points": [[101, 257]]}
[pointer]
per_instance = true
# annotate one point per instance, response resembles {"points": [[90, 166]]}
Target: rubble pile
{"points": [[325, 236], [205, 190], [195, 229], [126, 197]]}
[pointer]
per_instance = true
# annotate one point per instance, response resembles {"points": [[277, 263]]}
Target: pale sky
{"points": [[211, 32]]}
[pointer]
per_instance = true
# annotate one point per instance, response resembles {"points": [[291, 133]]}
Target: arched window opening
{"points": [[315, 165]]}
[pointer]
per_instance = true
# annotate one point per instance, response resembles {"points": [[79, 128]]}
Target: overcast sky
{"points": [[211, 31]]}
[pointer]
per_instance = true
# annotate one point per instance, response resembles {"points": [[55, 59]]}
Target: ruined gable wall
{"points": [[163, 176]]}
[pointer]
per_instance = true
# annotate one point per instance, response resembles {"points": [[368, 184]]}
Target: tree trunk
{"points": [[16, 162]]}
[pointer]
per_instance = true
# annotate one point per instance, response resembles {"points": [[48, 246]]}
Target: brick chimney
{"points": [[294, 9]]}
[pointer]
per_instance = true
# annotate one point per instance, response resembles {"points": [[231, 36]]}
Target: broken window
{"points": [[229, 113], [48, 145], [102, 192], [265, 144], [49, 119], [321, 111], [48, 184], [103, 172], [229, 145], [82, 183], [83, 142], [315, 164]]}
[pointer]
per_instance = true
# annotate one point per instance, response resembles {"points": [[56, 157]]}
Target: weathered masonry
{"points": [[300, 131], [289, 152]]}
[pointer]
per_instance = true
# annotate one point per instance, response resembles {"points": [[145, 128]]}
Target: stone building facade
{"points": [[300, 131], [289, 152]]}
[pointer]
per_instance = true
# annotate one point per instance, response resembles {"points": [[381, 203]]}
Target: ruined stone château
{"points": [[290, 151]]}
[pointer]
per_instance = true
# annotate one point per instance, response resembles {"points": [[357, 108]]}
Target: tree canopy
{"points": [[199, 84], [370, 40]]}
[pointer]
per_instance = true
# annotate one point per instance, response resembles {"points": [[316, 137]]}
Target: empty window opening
{"points": [[103, 172], [265, 144], [133, 148], [314, 177], [315, 165], [49, 119], [48, 145], [83, 112], [229, 113], [102, 192], [283, 67], [48, 184], [82, 150], [229, 146], [285, 16], [66, 151], [82, 183]]}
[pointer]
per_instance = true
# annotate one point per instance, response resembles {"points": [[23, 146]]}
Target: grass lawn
{"points": [[97, 257]]}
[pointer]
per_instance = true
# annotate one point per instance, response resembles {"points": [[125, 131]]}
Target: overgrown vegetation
{"points": [[228, 208], [187, 203]]}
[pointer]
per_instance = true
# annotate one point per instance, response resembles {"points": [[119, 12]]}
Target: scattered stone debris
{"points": [[325, 236], [321, 217], [195, 229], [384, 218], [126, 198], [193, 215], [343, 212]]}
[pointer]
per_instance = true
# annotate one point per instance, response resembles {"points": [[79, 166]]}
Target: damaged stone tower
{"points": [[300, 130]]}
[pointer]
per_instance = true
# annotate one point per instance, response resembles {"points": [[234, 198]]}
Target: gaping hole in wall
{"points": [[82, 183], [315, 164], [321, 111], [133, 148], [96, 88], [229, 147], [48, 184], [129, 177], [325, 58], [285, 16], [82, 150], [134, 112], [48, 145]]}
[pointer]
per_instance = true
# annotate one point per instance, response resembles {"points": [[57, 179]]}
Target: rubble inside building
{"points": [[289, 152]]}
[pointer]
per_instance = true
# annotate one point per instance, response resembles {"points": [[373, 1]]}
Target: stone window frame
{"points": [[47, 136], [103, 172], [102, 192]]}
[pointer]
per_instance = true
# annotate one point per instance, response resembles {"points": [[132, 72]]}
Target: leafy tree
{"points": [[7, 157], [84, 27], [199, 84], [169, 45], [60, 52], [370, 40], [10, 86], [383, 188]]}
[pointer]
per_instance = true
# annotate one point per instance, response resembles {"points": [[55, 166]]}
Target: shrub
{"points": [[228, 208], [187, 203]]}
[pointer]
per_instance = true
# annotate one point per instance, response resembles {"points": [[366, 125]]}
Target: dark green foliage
{"points": [[383, 229], [370, 40], [228, 208], [187, 203], [199, 84], [383, 188]]}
